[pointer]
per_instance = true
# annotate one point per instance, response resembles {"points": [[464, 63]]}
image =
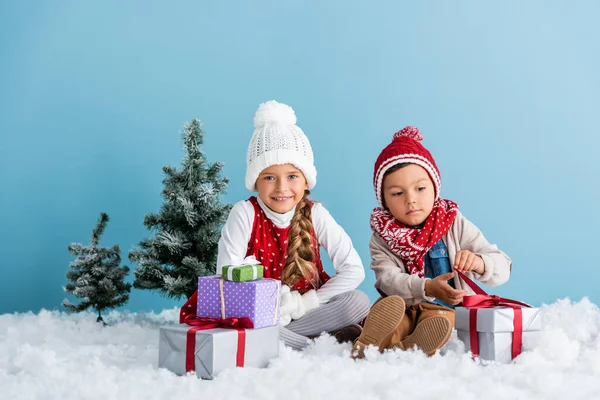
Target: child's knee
{"points": [[356, 305], [360, 303]]}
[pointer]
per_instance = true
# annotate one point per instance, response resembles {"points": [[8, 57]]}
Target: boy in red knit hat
{"points": [[418, 240]]}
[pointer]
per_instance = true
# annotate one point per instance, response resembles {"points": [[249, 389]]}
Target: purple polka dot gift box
{"points": [[257, 300]]}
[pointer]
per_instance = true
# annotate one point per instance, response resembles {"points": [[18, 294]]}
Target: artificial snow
{"points": [[53, 355]]}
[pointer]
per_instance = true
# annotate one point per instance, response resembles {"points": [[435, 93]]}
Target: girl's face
{"points": [[281, 187], [409, 194]]}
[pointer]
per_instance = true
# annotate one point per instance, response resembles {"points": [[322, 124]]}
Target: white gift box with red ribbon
{"points": [[211, 345], [494, 328]]}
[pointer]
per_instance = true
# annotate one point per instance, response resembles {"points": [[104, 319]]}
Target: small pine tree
{"points": [[96, 276], [187, 228]]}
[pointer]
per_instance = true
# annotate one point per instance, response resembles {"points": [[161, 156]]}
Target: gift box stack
{"points": [[494, 328], [236, 324]]}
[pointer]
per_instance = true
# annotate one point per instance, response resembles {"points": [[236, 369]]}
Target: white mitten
{"points": [[285, 306], [304, 303], [293, 305]]}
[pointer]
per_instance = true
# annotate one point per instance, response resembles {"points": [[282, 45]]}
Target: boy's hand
{"points": [[467, 261], [439, 288]]}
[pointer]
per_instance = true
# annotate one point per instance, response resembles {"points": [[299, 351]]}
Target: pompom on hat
{"points": [[405, 147], [278, 140]]}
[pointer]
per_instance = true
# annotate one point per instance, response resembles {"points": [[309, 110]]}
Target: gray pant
{"points": [[342, 310]]}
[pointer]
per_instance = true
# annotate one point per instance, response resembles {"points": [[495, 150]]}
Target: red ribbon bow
{"points": [[200, 324], [489, 301], [483, 300]]}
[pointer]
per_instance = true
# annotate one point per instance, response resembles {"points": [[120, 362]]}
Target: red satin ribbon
{"points": [[200, 324], [483, 300]]}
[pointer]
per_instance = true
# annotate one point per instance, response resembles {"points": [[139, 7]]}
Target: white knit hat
{"points": [[277, 140]]}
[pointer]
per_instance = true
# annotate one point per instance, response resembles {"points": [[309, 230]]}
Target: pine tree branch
{"points": [[99, 229]]}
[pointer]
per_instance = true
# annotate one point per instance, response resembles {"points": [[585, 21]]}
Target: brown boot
{"points": [[429, 335], [380, 325], [348, 333]]}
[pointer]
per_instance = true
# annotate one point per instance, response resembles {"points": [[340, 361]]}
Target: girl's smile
{"points": [[282, 199]]}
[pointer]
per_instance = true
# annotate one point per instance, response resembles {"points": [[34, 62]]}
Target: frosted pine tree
{"points": [[187, 228], [96, 276]]}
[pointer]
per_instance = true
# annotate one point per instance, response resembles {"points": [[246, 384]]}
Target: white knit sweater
{"points": [[236, 232]]}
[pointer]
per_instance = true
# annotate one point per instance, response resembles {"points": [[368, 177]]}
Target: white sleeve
{"points": [[235, 235], [348, 265]]}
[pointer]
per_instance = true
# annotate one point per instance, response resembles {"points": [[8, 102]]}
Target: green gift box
{"points": [[243, 272]]}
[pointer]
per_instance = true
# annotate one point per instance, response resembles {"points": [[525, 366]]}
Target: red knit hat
{"points": [[406, 147]]}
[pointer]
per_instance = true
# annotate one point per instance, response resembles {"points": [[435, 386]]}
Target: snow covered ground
{"points": [[53, 355]]}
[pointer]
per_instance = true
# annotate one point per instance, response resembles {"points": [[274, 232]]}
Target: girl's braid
{"points": [[300, 253]]}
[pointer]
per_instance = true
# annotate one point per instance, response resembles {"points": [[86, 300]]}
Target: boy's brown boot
{"points": [[380, 325], [429, 335]]}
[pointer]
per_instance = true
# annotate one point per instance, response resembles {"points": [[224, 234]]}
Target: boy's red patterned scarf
{"points": [[411, 244]]}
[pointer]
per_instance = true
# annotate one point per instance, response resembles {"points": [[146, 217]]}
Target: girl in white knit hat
{"points": [[283, 229]]}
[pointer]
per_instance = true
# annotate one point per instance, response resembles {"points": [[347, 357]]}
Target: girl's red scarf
{"points": [[411, 244]]}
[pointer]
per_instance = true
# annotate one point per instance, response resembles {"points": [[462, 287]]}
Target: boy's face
{"points": [[281, 187], [409, 194]]}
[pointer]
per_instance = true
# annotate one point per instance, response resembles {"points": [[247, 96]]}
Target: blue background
{"points": [[93, 96]]}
